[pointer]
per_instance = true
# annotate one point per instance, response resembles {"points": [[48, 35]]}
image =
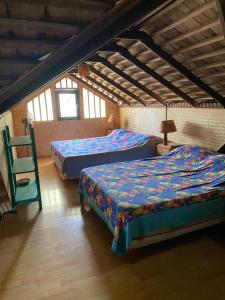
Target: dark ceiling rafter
{"points": [[86, 83], [115, 84], [134, 82], [108, 90], [148, 42], [124, 52], [124, 15]]}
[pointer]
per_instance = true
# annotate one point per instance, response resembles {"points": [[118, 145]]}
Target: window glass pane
{"points": [[63, 83], [58, 85], [86, 104], [37, 109], [97, 107], [43, 107], [91, 105], [102, 108], [30, 109], [74, 84], [48, 98], [67, 105], [69, 83]]}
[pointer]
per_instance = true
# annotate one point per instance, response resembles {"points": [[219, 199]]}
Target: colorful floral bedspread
{"points": [[185, 176], [119, 139]]}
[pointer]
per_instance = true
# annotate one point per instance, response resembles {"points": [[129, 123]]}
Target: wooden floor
{"points": [[62, 254]]}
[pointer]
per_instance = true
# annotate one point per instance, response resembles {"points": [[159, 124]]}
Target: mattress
{"points": [[124, 191], [73, 155]]}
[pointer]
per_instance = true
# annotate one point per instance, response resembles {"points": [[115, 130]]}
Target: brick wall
{"points": [[197, 126]]}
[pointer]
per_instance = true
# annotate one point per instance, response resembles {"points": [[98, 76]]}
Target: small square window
{"points": [[68, 104]]}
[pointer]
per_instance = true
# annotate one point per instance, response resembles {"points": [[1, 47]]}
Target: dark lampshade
{"points": [[168, 126]]}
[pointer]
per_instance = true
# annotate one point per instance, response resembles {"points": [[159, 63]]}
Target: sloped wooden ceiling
{"points": [[147, 53], [178, 55], [32, 29]]}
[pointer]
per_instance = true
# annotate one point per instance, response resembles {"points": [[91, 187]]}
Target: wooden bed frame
{"points": [[163, 235]]}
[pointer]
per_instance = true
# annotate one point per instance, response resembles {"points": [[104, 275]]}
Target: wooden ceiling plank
{"points": [[14, 42], [86, 83], [206, 55], [166, 10], [93, 4], [191, 33], [195, 12], [214, 39], [42, 26], [124, 15], [148, 41], [123, 51], [134, 82], [108, 90], [113, 83]]}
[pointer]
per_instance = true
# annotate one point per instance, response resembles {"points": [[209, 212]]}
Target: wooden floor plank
{"points": [[62, 253]]}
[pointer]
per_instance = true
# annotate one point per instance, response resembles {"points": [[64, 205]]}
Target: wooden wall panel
{"points": [[5, 119]]}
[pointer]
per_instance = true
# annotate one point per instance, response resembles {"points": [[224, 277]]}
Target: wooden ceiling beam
{"points": [[113, 83], [92, 83], [206, 42], [192, 32], [206, 55], [124, 15], [87, 84], [124, 52], [148, 41], [132, 81], [39, 26], [108, 90], [195, 12], [220, 4]]}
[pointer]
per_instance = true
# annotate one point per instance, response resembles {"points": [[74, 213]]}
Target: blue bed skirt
{"points": [[148, 224]]}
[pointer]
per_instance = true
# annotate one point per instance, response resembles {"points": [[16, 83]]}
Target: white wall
{"points": [[197, 126]]}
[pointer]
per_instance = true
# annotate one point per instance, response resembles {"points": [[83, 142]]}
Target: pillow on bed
{"points": [[222, 149]]}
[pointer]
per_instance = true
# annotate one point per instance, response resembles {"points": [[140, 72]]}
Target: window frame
{"points": [[67, 91]]}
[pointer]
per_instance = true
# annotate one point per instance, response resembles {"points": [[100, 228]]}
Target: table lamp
{"points": [[166, 127]]}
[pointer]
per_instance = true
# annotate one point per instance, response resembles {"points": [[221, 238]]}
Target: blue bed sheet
{"points": [[125, 191]]}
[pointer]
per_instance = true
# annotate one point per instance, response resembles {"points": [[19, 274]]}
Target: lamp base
{"points": [[165, 139]]}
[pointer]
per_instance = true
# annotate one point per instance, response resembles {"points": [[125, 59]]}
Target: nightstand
{"points": [[165, 149]]}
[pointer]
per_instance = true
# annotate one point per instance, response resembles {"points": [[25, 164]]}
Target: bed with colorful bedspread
{"points": [[141, 197], [71, 156]]}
